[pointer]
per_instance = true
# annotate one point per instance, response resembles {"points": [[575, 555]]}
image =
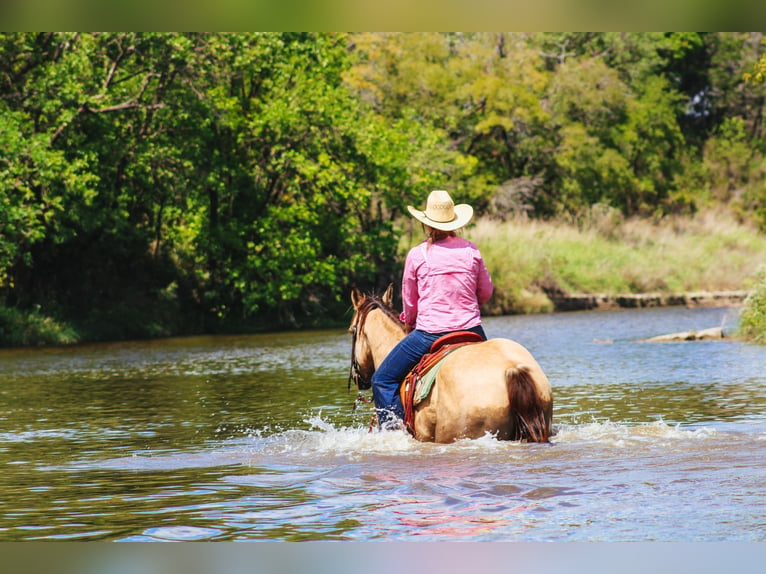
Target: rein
{"points": [[363, 381], [361, 378]]}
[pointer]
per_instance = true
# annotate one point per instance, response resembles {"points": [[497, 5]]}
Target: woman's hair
{"points": [[435, 235]]}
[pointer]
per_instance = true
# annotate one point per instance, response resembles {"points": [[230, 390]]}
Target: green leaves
{"points": [[37, 186], [753, 317], [251, 178]]}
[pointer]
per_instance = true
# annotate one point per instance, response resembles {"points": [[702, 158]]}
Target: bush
{"points": [[752, 324], [27, 328]]}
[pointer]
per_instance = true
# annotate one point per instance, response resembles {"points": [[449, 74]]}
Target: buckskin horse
{"points": [[495, 386]]}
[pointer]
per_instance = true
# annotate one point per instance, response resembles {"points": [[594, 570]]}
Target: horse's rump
{"points": [[492, 387]]}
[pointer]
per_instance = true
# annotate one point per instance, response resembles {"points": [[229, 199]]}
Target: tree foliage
{"points": [[155, 183]]}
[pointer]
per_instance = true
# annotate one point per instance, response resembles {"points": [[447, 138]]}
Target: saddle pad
{"points": [[423, 376], [424, 383]]}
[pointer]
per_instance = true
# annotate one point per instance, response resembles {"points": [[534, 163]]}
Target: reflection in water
{"points": [[254, 438]]}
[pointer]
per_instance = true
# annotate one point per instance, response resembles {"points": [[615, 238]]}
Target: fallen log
{"points": [[704, 334]]}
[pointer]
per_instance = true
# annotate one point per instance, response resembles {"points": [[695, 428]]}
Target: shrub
{"points": [[25, 328], [752, 324]]}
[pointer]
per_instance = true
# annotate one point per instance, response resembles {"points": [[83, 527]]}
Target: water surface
{"points": [[255, 438]]}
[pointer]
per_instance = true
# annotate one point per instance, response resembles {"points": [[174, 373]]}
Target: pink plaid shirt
{"points": [[443, 286]]}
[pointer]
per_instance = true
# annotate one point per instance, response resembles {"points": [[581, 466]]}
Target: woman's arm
{"points": [[409, 292], [484, 287]]}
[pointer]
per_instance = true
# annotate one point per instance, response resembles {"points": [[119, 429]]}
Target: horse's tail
{"points": [[527, 412]]}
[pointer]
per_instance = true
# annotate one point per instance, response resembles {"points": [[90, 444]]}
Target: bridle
{"points": [[362, 378]]}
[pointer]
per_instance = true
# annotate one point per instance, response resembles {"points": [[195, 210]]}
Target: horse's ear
{"points": [[388, 296], [356, 297]]}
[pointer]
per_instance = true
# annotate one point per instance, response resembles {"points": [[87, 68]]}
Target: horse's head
{"points": [[362, 364]]}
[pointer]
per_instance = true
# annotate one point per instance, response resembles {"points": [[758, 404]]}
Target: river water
{"points": [[254, 438]]}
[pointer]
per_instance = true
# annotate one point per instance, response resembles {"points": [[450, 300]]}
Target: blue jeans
{"points": [[391, 372]]}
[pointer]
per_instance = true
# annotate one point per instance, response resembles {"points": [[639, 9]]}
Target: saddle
{"points": [[419, 381]]}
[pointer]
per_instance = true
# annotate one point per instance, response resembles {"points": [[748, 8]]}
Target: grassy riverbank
{"points": [[531, 261]]}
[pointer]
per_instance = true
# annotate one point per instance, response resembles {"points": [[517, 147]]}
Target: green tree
{"points": [[652, 142], [295, 218], [726, 93], [758, 73], [39, 183], [480, 93], [153, 183], [230, 175]]}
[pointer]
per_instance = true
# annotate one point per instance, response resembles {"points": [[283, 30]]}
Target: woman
{"points": [[445, 282]]}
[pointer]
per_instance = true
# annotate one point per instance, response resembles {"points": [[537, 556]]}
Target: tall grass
{"points": [[602, 253]]}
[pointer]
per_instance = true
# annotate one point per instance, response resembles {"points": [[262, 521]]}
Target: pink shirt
{"points": [[443, 286]]}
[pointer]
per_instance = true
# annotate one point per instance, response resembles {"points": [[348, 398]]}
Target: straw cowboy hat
{"points": [[442, 213]]}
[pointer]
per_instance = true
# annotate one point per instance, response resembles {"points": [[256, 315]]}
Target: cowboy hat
{"points": [[442, 213]]}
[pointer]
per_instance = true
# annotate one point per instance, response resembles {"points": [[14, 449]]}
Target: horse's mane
{"points": [[371, 302]]}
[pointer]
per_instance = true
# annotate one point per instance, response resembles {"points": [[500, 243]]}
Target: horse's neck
{"points": [[382, 335]]}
